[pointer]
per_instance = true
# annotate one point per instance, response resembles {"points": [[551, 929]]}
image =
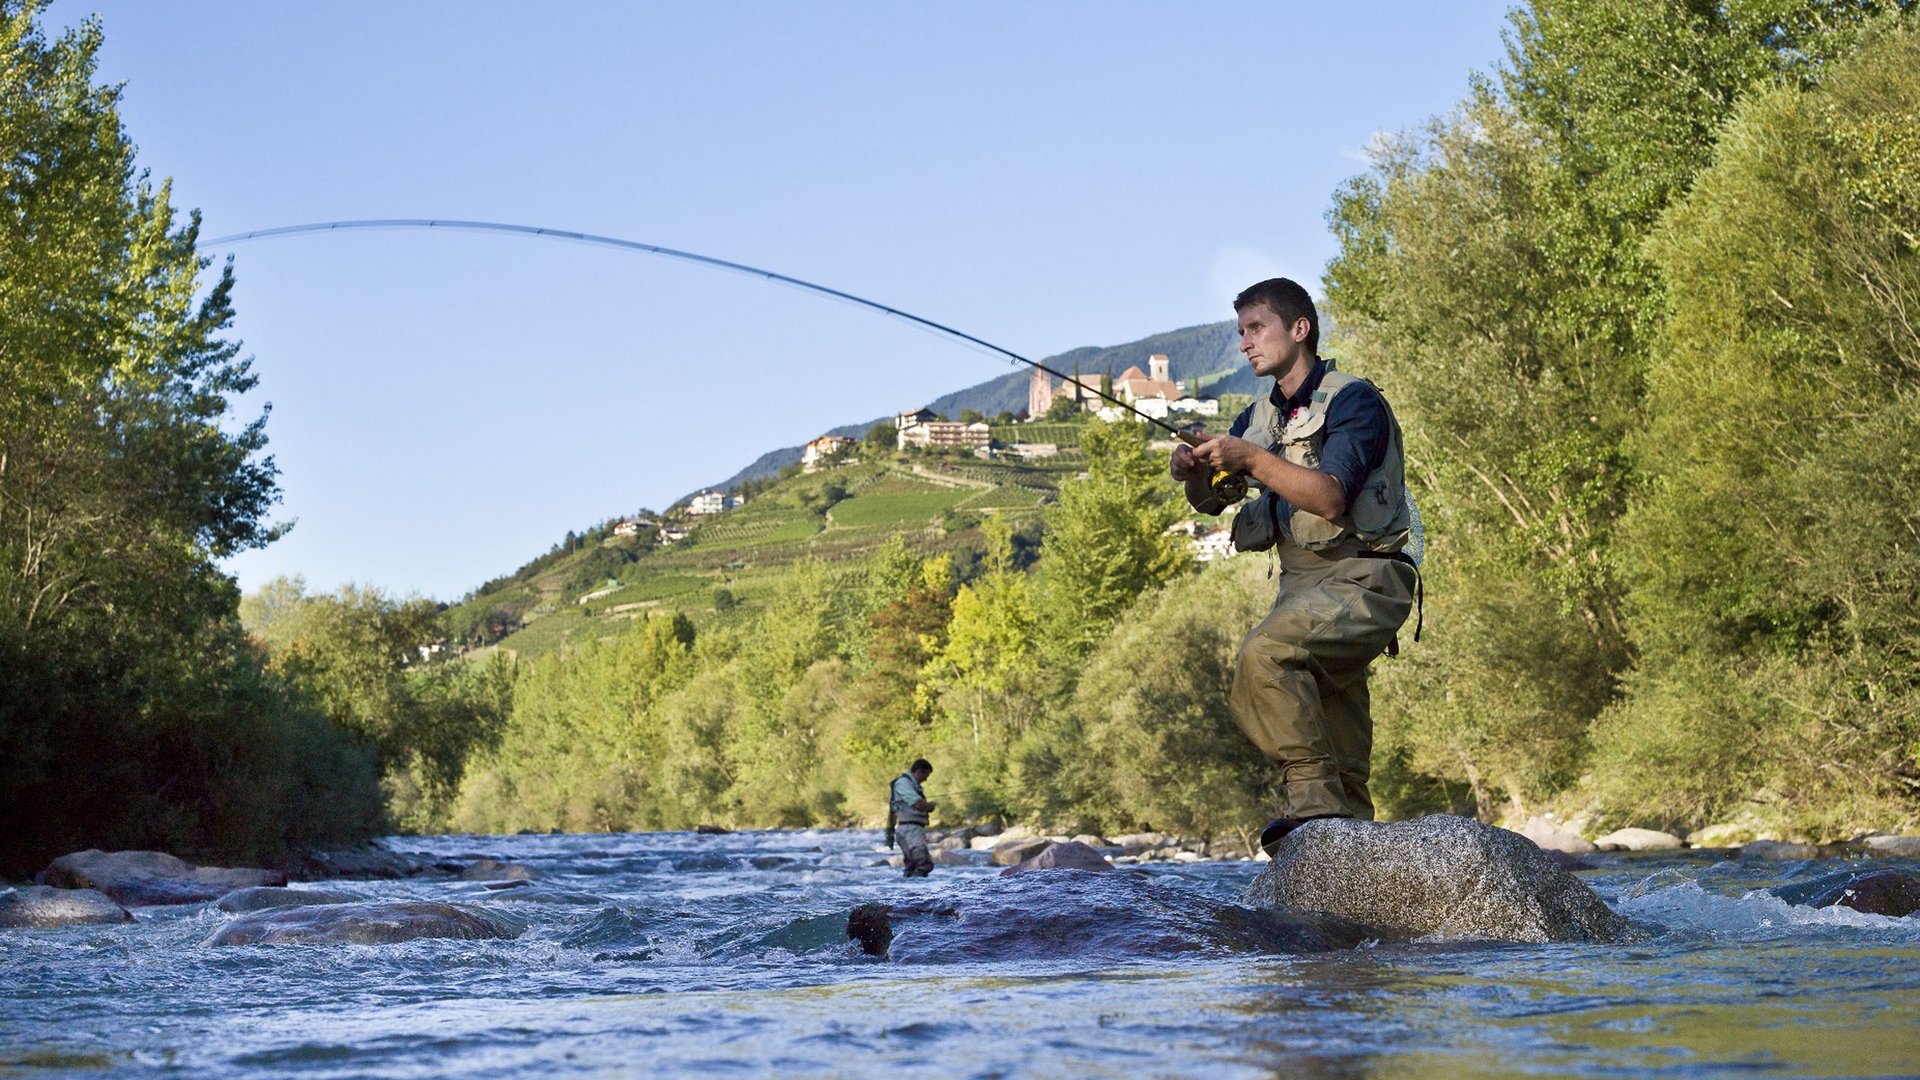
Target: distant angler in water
{"points": [[907, 810]]}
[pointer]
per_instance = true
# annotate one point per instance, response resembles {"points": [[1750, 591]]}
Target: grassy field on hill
{"points": [[730, 563]]}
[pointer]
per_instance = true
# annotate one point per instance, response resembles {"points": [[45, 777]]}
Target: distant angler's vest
{"points": [[1379, 517]]}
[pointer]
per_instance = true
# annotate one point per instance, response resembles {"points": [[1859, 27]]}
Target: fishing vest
{"points": [[1379, 517], [902, 802]]}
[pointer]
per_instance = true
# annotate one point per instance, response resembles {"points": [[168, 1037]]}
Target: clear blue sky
{"points": [[1044, 176]]}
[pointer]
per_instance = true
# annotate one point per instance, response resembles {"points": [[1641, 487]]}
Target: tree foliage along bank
{"points": [[1645, 303], [133, 710]]}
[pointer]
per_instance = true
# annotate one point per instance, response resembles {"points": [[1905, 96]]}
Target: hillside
{"points": [[1193, 353], [728, 564]]}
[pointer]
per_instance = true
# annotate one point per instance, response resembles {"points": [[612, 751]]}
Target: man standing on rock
{"points": [[1325, 449], [909, 809]]}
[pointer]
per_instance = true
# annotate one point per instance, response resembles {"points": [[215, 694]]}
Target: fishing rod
{"points": [[720, 264]]}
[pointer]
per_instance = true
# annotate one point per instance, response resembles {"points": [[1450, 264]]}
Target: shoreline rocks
{"points": [[43, 906], [1438, 876], [149, 878]]}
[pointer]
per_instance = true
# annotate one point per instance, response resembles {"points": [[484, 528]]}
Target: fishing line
{"points": [[692, 257]]}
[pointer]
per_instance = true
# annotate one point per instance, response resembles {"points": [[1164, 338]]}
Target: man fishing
{"points": [[1325, 448], [907, 817]]}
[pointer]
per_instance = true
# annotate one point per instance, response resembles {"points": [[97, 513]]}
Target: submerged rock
{"points": [[1439, 875], [1878, 892], [145, 878], [1072, 855], [486, 869], [45, 906], [373, 923], [363, 862], [262, 897], [1119, 916], [1780, 851]]}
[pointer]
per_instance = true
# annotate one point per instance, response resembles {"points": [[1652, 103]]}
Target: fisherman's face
{"points": [[1270, 345]]}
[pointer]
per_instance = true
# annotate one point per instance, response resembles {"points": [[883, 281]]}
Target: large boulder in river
{"points": [[1072, 855], [145, 878], [1437, 876], [374, 923], [43, 906]]}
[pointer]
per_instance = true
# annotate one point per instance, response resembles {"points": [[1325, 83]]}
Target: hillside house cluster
{"points": [[713, 502], [1152, 392], [946, 434], [1206, 542], [819, 450]]}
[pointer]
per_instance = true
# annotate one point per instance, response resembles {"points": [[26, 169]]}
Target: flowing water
{"points": [[675, 953]]}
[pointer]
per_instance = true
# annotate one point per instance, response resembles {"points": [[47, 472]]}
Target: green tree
{"points": [[132, 712], [1107, 539], [1776, 594]]}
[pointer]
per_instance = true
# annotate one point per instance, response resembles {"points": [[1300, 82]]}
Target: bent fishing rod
{"points": [[702, 260]]}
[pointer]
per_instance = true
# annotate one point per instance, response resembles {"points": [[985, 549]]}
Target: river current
{"points": [[653, 954]]}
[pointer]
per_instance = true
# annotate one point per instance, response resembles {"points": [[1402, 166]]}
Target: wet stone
{"points": [[1439, 876], [45, 906], [486, 869], [374, 923], [1071, 855], [1781, 851], [1878, 892], [262, 897], [148, 878]]}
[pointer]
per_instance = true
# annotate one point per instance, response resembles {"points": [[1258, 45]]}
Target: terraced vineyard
{"points": [[839, 517]]}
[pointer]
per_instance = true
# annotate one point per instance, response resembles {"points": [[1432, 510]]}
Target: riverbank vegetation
{"points": [[134, 712]]}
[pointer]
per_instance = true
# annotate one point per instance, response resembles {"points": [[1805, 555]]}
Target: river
{"points": [[682, 954]]}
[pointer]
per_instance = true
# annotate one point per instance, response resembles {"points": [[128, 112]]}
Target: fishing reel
{"points": [[1228, 487]]}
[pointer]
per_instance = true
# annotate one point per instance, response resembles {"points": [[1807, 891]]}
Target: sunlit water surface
{"points": [[674, 953]]}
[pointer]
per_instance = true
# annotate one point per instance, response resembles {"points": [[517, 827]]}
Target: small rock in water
{"points": [[1552, 836], [1878, 892], [262, 897], [1779, 850], [141, 878], [1638, 840], [1136, 843], [377, 923], [1019, 849], [1071, 855], [1894, 847], [363, 862], [45, 906], [1439, 875], [484, 869], [711, 830], [871, 927], [772, 862]]}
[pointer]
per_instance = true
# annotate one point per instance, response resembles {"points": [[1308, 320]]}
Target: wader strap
{"points": [[1419, 593]]}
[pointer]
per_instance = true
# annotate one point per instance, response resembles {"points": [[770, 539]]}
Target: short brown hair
{"points": [[1285, 298]]}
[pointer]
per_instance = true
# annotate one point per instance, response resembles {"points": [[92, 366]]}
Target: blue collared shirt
{"points": [[1357, 431]]}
